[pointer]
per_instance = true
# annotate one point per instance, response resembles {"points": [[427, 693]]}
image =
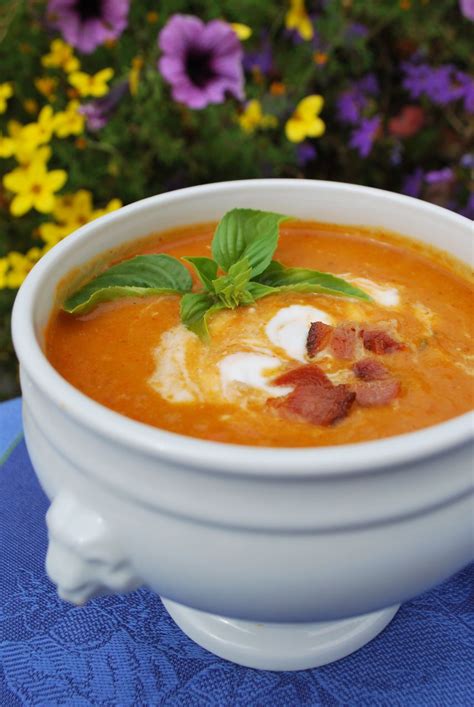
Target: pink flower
{"points": [[202, 62], [86, 24]]}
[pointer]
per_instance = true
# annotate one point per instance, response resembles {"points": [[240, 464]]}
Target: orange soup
{"points": [[293, 369]]}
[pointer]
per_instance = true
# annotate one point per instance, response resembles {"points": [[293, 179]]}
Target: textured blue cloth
{"points": [[125, 650]]}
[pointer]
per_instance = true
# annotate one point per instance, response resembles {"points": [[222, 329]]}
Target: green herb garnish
{"points": [[243, 246]]}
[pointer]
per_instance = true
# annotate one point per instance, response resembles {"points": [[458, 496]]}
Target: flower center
{"points": [[198, 68], [89, 9]]}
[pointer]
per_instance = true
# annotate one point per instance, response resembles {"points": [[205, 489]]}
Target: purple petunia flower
{"points": [[363, 137], [98, 113], [202, 62], [305, 152], [467, 160], [413, 183], [86, 24], [442, 84], [467, 8]]}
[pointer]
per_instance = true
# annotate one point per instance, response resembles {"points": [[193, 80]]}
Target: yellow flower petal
{"points": [[316, 128], [310, 106], [104, 74], [295, 130], [55, 179], [14, 180], [243, 32], [7, 147], [21, 204], [43, 202]]}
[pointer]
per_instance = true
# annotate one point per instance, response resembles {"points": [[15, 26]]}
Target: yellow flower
{"points": [[70, 121], [35, 134], [305, 121], [61, 56], [25, 157], [15, 266], [134, 75], [113, 205], [46, 85], [91, 84], [52, 233], [34, 187], [6, 91], [243, 32], [297, 18], [7, 146], [253, 117], [71, 212]]}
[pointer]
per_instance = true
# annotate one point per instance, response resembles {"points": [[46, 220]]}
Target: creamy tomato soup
{"points": [[294, 369]]}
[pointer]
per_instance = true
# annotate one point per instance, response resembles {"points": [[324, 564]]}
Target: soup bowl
{"points": [[279, 559]]}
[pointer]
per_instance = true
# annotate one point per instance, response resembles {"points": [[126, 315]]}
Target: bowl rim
{"points": [[208, 455]]}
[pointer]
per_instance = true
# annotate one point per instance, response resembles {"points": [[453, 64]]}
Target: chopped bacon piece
{"points": [[377, 392], [318, 337], [368, 369], [314, 399], [380, 342], [344, 341], [304, 375]]}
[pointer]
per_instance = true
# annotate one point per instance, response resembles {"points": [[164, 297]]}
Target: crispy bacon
{"points": [[368, 369], [318, 337], [376, 392], [344, 341], [314, 399], [380, 342]]}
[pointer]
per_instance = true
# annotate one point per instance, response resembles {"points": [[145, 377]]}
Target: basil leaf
{"points": [[206, 270], [140, 276], [195, 310], [246, 233], [230, 289], [304, 280], [257, 290]]}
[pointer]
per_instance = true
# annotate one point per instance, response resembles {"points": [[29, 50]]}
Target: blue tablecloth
{"points": [[125, 650]]}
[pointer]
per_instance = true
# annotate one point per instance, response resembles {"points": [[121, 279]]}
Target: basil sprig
{"points": [[241, 272]]}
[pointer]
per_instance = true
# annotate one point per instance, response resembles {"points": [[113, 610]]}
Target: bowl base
{"points": [[273, 646]]}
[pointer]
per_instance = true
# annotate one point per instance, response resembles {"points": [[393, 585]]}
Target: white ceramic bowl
{"points": [[309, 551]]}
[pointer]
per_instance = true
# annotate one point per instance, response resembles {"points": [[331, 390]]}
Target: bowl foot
{"points": [[272, 646]]}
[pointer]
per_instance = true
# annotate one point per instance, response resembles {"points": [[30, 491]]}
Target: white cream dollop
{"points": [[171, 378], [383, 295], [288, 329], [247, 368]]}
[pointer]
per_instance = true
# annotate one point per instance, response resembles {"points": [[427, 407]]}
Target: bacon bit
{"points": [[344, 341], [315, 399], [377, 392], [380, 342], [318, 337], [368, 369]]}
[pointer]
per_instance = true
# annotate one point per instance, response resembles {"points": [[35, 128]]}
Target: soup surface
{"points": [[368, 369]]}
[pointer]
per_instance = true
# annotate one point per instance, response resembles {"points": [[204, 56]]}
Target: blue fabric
{"points": [[125, 650], [10, 425]]}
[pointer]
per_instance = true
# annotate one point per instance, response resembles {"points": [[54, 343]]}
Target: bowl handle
{"points": [[84, 558]]}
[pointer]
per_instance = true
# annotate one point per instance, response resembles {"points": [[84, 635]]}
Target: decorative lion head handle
{"points": [[84, 559]]}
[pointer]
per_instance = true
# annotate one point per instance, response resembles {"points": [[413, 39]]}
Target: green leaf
{"points": [[141, 276], [195, 310], [304, 280], [247, 233], [230, 289], [257, 290], [206, 270]]}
